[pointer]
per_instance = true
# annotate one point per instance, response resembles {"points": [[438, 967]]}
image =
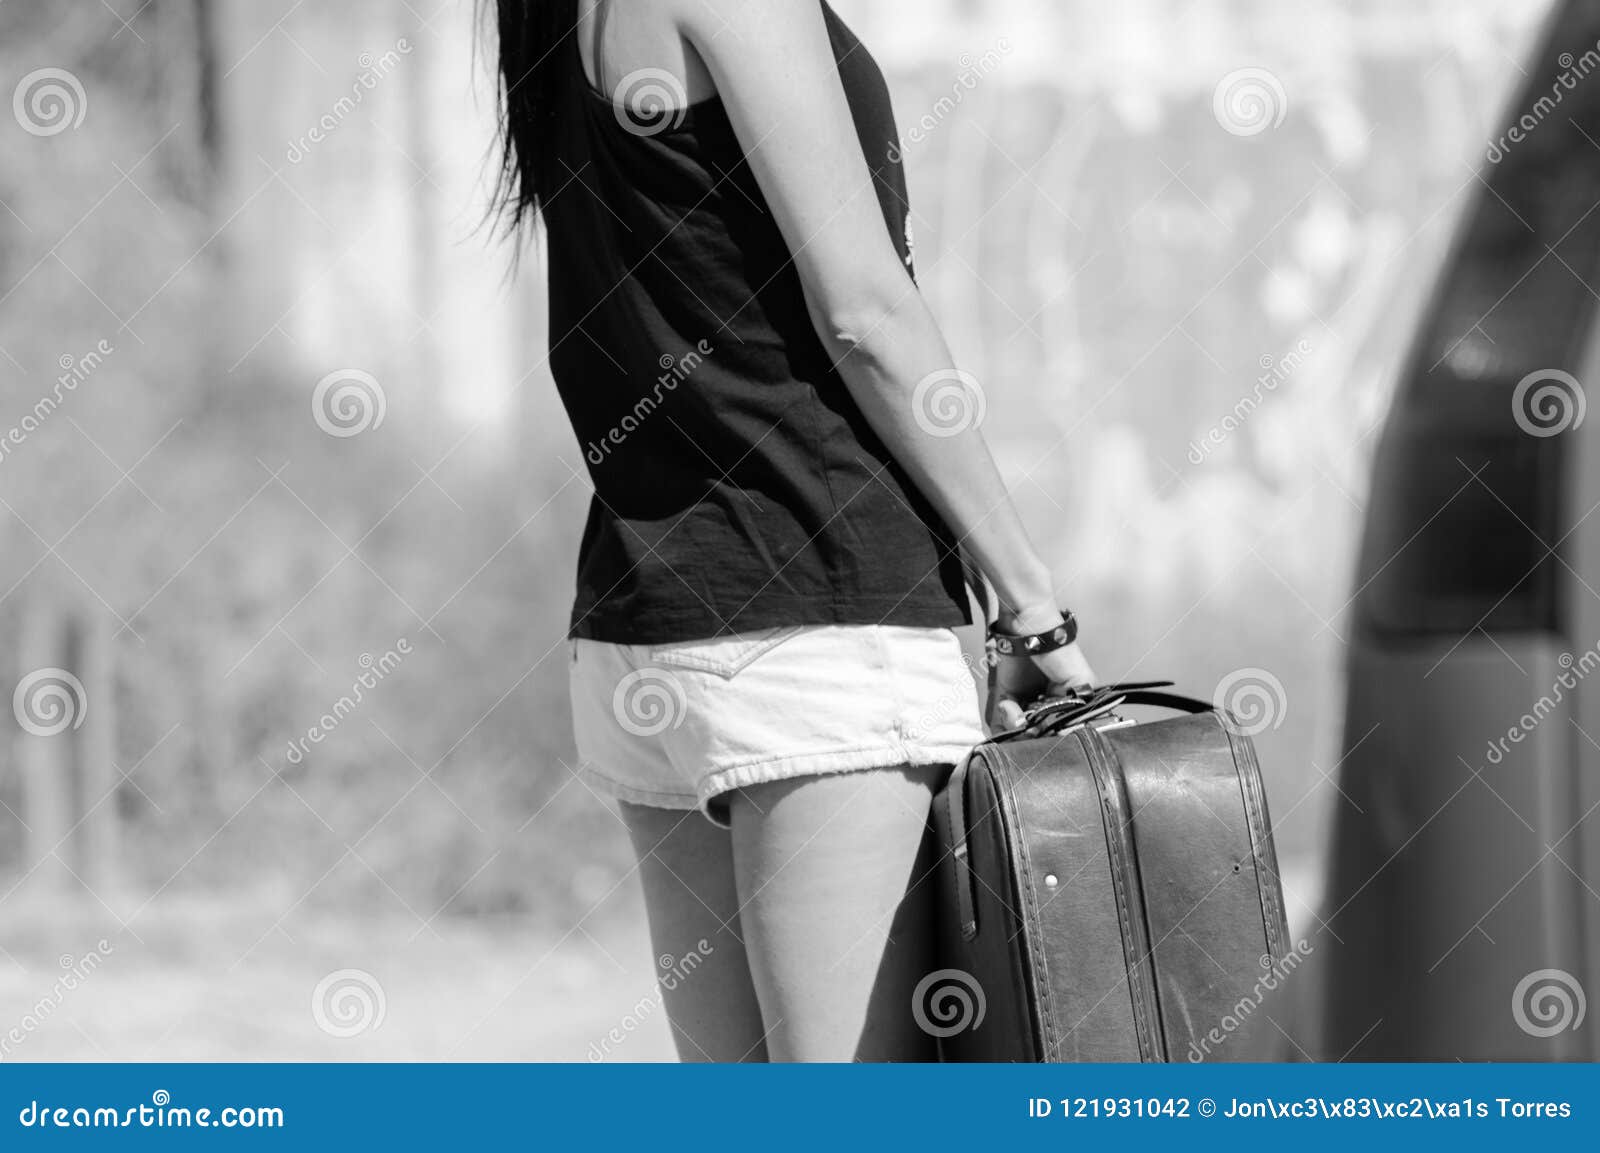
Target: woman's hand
{"points": [[1019, 681]]}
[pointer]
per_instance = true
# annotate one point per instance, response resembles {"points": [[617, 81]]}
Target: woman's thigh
{"points": [[836, 896], [686, 865]]}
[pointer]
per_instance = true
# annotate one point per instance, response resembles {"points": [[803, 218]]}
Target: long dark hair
{"points": [[532, 34]]}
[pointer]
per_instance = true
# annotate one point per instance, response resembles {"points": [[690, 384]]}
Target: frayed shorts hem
{"points": [[635, 795], [682, 726], [718, 784]]}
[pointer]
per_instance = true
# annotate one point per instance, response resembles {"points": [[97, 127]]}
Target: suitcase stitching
{"points": [[960, 824], [1261, 848], [1113, 861], [1117, 857], [1040, 960], [1054, 1047]]}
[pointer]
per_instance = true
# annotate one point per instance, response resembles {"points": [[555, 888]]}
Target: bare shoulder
{"points": [[779, 47], [635, 37], [769, 21]]}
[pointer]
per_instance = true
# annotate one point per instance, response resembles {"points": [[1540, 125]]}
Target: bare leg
{"points": [[837, 907], [686, 864]]}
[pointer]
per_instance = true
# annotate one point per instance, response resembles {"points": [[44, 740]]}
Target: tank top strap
{"points": [[597, 47]]}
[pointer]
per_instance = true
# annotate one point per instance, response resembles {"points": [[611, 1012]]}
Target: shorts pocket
{"points": [[725, 657]]}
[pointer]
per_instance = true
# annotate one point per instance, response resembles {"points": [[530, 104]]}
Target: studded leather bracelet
{"points": [[1035, 644]]}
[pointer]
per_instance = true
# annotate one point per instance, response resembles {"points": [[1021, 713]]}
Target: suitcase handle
{"points": [[1048, 719], [1163, 700], [955, 799]]}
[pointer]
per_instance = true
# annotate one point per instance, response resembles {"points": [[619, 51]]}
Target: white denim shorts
{"points": [[680, 725]]}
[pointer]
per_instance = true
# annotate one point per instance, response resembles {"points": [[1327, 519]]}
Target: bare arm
{"points": [[773, 65]]}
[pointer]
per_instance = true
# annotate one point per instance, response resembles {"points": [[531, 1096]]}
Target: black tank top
{"points": [[737, 485]]}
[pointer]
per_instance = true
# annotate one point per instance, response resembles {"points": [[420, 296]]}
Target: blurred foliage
{"points": [[251, 559]]}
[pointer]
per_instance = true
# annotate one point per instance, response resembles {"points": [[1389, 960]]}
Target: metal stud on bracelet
{"points": [[1036, 644]]}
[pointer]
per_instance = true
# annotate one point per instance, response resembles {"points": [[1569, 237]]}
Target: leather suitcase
{"points": [[1108, 890]]}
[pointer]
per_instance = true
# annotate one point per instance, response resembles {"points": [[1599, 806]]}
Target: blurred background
{"points": [[286, 490]]}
